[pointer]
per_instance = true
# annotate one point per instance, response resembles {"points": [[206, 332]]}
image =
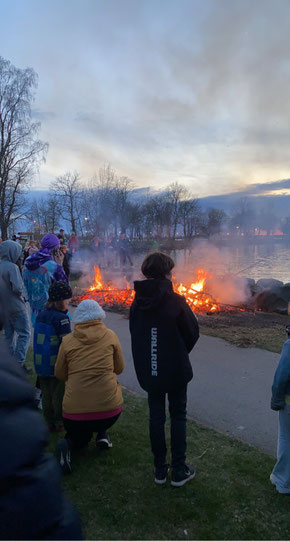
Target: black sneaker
{"points": [[62, 454], [180, 477], [161, 474], [103, 441]]}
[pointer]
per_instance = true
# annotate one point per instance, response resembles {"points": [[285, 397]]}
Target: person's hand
{"points": [[58, 257]]}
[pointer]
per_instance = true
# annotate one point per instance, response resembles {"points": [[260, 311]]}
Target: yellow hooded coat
{"points": [[89, 360]]}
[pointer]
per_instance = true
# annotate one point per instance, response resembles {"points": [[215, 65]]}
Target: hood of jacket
{"points": [[10, 250], [35, 261], [150, 293], [89, 332]]}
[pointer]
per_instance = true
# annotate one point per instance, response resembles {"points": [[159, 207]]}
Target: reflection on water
{"points": [[264, 260]]}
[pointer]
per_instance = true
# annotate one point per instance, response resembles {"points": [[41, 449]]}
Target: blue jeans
{"points": [[17, 324], [177, 409], [280, 475]]}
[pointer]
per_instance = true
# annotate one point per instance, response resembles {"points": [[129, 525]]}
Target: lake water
{"points": [[267, 259]]}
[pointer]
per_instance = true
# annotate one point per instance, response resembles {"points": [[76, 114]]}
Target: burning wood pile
{"points": [[110, 296]]}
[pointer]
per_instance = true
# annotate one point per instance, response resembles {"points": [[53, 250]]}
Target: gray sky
{"points": [[196, 91]]}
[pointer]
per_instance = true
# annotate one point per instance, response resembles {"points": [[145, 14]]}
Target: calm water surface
{"points": [[264, 260]]}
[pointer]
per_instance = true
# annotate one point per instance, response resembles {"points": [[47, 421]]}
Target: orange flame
{"points": [[108, 294], [195, 295]]}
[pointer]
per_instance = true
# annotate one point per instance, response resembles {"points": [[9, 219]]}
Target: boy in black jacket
{"points": [[163, 331]]}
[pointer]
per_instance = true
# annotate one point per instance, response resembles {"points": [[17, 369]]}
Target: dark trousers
{"points": [[177, 410], [124, 255], [52, 396], [79, 433]]}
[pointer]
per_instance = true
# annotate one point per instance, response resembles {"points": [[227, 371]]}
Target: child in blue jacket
{"points": [[280, 476], [51, 325]]}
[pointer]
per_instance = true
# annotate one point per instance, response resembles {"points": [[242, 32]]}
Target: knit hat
{"points": [[49, 242], [59, 291], [88, 310]]}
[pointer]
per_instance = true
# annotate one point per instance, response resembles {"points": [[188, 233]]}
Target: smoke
{"points": [[228, 289], [83, 265], [223, 283]]}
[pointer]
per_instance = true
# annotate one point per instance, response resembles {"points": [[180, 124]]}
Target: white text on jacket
{"points": [[154, 371]]}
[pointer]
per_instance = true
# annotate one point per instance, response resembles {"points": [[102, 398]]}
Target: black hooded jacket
{"points": [[32, 504], [163, 332]]}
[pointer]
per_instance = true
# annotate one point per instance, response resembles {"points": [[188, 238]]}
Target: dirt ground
{"points": [[247, 329]]}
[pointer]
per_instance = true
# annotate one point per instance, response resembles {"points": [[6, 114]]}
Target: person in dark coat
{"points": [[124, 249], [52, 324], [32, 504], [163, 332], [66, 260]]}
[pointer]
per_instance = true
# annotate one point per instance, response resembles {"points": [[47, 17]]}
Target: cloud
{"points": [[197, 92], [43, 115]]}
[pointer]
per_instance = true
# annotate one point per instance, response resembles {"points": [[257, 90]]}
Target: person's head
{"points": [[10, 250], [73, 234], [61, 231], [59, 296], [157, 265], [31, 243], [88, 310], [123, 235], [49, 242], [63, 248]]}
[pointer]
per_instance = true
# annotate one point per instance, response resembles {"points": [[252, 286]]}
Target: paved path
{"points": [[230, 390]]}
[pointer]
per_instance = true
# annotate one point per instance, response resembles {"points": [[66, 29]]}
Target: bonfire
{"points": [[110, 296]]}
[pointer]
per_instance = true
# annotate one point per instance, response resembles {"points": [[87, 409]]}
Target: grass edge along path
{"points": [[248, 337], [230, 498]]}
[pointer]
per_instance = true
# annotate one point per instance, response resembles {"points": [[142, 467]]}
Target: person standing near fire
{"points": [[163, 332], [16, 324], [280, 401], [124, 249], [40, 270], [52, 324], [73, 242]]}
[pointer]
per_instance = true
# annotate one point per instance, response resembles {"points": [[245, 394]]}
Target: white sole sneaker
{"points": [[183, 481], [160, 481], [104, 443]]}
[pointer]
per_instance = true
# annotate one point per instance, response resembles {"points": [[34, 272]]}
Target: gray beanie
{"points": [[88, 310]]}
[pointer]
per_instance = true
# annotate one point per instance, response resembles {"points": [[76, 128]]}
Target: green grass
{"points": [[230, 498], [249, 337]]}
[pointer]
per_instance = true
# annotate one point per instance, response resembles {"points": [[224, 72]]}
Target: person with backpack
{"points": [[163, 331], [40, 270], [52, 324]]}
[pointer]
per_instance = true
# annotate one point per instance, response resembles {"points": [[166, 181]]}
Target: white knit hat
{"points": [[88, 310]]}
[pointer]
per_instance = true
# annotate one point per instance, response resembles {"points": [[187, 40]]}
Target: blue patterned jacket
{"points": [[51, 325]]}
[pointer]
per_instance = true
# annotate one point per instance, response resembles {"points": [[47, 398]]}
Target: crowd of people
{"points": [[111, 252], [77, 368]]}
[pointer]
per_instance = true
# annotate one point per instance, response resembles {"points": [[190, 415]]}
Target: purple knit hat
{"points": [[49, 242]]}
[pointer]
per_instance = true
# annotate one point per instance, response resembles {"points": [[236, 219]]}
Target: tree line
{"points": [[109, 204]]}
